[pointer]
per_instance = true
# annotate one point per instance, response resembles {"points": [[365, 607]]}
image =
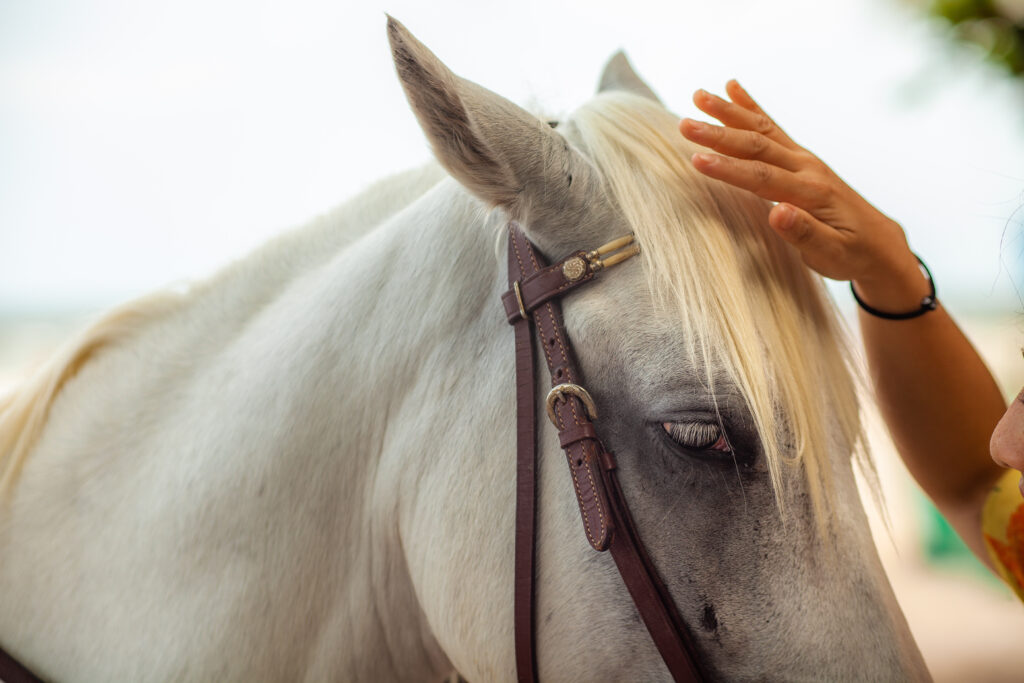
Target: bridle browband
{"points": [[532, 300]]}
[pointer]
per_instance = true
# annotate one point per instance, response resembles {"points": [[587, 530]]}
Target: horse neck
{"points": [[420, 322], [329, 357]]}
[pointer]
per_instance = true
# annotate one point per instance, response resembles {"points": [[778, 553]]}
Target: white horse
{"points": [[303, 469]]}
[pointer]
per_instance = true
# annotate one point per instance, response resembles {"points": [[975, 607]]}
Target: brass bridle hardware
{"points": [[519, 299], [615, 252], [573, 269], [558, 393]]}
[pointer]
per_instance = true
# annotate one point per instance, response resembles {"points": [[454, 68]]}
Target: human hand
{"points": [[838, 233]]}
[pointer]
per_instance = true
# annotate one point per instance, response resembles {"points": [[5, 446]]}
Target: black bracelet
{"points": [[928, 303]]}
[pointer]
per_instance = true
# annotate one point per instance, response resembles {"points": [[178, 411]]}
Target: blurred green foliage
{"points": [[996, 27]]}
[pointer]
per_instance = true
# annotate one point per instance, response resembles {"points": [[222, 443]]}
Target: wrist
{"points": [[898, 295], [897, 286]]}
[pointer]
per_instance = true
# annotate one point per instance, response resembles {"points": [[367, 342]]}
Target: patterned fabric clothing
{"points": [[1002, 524]]}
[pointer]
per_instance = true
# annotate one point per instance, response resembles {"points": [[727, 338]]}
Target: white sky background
{"points": [[146, 143]]}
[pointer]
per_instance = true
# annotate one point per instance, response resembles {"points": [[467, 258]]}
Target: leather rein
{"points": [[532, 301]]}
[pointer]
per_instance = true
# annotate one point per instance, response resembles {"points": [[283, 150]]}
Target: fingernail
{"points": [[705, 159], [695, 126], [786, 216]]}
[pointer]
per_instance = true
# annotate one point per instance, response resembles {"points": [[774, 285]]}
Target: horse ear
{"points": [[619, 75], [497, 150]]}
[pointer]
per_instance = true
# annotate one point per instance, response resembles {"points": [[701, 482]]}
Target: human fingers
{"points": [[765, 180], [742, 144], [821, 246], [740, 96], [735, 116]]}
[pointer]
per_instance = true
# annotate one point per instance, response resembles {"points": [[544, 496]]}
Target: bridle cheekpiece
{"points": [[532, 302]]}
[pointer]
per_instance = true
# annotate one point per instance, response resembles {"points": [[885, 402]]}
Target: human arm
{"points": [[937, 397]]}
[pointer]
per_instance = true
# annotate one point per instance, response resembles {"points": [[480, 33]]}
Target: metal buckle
{"points": [[558, 393], [519, 299]]}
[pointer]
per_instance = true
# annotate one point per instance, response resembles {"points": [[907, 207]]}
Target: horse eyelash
{"points": [[697, 435]]}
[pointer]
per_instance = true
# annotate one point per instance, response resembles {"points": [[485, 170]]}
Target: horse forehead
{"points": [[619, 332]]}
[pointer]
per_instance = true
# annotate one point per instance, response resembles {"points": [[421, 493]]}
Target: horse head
{"points": [[717, 362]]}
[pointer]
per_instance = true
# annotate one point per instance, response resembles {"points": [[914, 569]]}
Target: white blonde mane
{"points": [[259, 276], [23, 413], [754, 311]]}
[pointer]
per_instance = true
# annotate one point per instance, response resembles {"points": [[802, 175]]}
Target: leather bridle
{"points": [[532, 301]]}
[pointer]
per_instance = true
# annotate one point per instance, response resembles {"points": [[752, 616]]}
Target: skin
{"points": [[942, 405]]}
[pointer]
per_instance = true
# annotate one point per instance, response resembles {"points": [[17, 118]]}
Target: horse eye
{"points": [[698, 436]]}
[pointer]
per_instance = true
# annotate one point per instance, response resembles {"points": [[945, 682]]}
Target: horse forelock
{"points": [[752, 311]]}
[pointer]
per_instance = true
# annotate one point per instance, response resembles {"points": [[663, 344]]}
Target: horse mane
{"points": [[259, 277], [755, 312], [24, 413]]}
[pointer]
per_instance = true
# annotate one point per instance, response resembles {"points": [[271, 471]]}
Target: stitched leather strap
{"points": [[606, 518], [526, 465], [570, 412], [539, 286], [649, 593]]}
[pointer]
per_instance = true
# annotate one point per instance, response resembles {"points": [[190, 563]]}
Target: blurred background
{"points": [[144, 144]]}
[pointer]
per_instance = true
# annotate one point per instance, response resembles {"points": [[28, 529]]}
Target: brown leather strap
{"points": [[606, 518], [11, 670], [590, 495], [539, 286], [526, 465], [649, 593], [571, 435]]}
